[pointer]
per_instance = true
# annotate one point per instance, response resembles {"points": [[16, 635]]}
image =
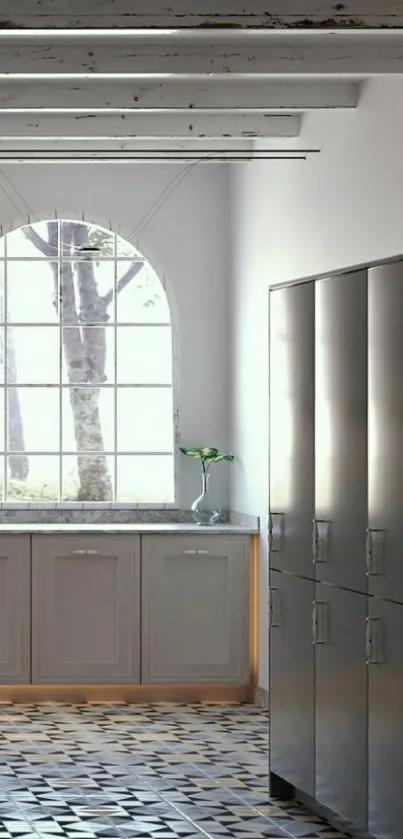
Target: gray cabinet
{"points": [[15, 609], [341, 429], [385, 654], [341, 702], [85, 609], [195, 609], [292, 721], [385, 535], [291, 427]]}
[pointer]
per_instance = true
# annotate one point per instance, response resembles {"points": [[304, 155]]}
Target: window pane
{"points": [[143, 299], [87, 478], [94, 411], [80, 237], [145, 420], [145, 479], [38, 241], [33, 419], [40, 483], [88, 354], [87, 291], [33, 355], [144, 355], [32, 292]]}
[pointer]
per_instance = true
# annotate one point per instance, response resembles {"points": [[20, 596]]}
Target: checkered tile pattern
{"points": [[147, 771]]}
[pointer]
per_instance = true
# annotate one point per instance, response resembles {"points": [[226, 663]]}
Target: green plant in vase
{"points": [[204, 510]]}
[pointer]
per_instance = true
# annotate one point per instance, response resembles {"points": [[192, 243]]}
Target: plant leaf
{"points": [[190, 452], [219, 457], [209, 453]]}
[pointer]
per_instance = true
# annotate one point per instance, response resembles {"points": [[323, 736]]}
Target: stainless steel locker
{"points": [[291, 427], [385, 463], [385, 654], [339, 624], [341, 374], [291, 738]]}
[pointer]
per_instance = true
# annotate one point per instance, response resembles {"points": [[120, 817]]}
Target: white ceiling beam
{"points": [[204, 13], [221, 93], [281, 52], [149, 125]]}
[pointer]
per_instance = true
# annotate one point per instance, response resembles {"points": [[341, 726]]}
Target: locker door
{"points": [[341, 430], [291, 750], [291, 430], [385, 653], [385, 537], [341, 702]]}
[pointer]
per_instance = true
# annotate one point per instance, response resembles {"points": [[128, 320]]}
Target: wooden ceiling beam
{"points": [[278, 14], [217, 93]]}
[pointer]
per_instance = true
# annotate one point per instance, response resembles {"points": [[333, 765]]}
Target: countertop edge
{"points": [[128, 528]]}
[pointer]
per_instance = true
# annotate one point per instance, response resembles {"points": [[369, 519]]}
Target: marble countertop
{"points": [[176, 528]]}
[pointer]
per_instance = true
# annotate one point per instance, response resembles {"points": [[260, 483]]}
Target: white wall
{"points": [[291, 220], [187, 243]]}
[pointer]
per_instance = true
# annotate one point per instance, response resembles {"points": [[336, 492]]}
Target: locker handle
{"points": [[375, 641], [375, 551], [320, 540], [321, 622], [274, 607], [276, 532]]}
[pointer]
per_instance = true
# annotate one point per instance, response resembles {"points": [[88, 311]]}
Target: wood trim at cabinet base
{"points": [[254, 610], [126, 693]]}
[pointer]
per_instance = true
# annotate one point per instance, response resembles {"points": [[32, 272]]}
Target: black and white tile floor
{"points": [[146, 771]]}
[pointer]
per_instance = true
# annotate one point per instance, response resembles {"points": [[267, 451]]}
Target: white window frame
{"points": [[115, 386]]}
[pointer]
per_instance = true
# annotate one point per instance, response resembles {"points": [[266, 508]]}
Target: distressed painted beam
{"points": [[183, 53], [148, 125], [218, 93], [200, 13]]}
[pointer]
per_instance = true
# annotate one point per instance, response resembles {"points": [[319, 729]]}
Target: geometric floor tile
{"points": [[162, 771]]}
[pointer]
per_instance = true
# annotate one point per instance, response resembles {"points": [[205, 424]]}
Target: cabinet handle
{"points": [[276, 532], [204, 552], [194, 552], [320, 540], [274, 607], [321, 622], [375, 641], [190, 551], [374, 554], [85, 551]]}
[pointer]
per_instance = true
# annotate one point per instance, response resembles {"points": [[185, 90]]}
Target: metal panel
{"points": [[341, 430], [291, 752], [85, 609], [385, 537], [341, 702], [15, 610], [292, 427], [195, 609], [385, 652]]}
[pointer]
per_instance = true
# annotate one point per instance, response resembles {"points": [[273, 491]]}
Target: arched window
{"points": [[86, 402]]}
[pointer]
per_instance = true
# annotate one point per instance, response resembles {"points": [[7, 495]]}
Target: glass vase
{"points": [[205, 511]]}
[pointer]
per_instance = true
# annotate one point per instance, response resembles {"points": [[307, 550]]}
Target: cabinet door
{"points": [[291, 427], [15, 610], [341, 430], [385, 299], [385, 633], [195, 609], [341, 702], [291, 689], [85, 609]]}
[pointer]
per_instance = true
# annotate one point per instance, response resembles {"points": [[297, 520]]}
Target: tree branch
{"points": [[41, 244], [131, 272]]}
